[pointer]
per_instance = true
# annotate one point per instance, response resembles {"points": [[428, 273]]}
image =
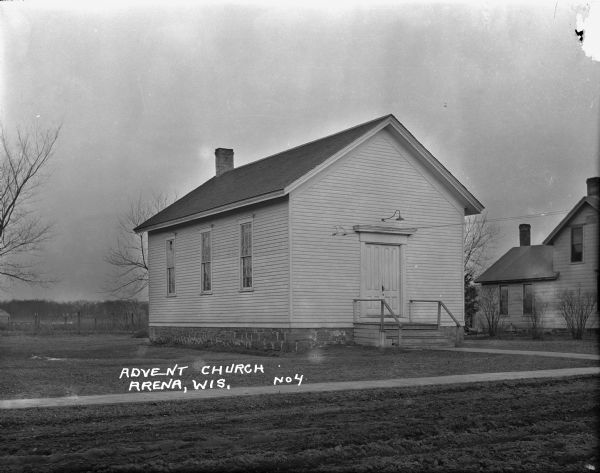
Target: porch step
{"points": [[412, 335]]}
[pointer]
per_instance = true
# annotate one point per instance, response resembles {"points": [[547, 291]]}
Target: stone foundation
{"points": [[279, 339]]}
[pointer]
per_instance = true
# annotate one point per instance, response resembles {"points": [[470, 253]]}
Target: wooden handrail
{"points": [[440, 305], [384, 305]]}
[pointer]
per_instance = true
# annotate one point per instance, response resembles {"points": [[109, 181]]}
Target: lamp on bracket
{"points": [[396, 216], [339, 230]]}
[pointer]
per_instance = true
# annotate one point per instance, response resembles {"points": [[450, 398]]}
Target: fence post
{"points": [[439, 318], [79, 322], [35, 322]]}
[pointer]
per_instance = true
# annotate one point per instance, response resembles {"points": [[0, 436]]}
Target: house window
{"points": [[527, 299], [576, 244], [206, 262], [503, 300], [171, 266], [246, 255]]}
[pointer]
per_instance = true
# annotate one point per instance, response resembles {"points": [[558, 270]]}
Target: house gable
{"points": [[590, 201]]}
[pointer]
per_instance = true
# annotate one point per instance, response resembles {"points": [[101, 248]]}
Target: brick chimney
{"points": [[223, 160], [593, 183], [525, 234]]}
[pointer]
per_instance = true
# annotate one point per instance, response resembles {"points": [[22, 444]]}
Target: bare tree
{"points": [[576, 308], [129, 256], [489, 307], [22, 232], [479, 237]]}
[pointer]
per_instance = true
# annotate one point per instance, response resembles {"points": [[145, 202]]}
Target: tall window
{"points": [[576, 244], [206, 260], [246, 255], [170, 267], [527, 299], [503, 300]]}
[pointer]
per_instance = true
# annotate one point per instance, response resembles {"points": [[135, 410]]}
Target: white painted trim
{"points": [[383, 234], [210, 243], [437, 166], [428, 176], [167, 240], [329, 161], [215, 211], [429, 161], [290, 262], [241, 222]]}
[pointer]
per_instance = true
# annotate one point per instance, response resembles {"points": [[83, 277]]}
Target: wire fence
{"points": [[78, 322]]}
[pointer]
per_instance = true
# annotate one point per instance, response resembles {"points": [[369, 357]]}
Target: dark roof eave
{"points": [[514, 281], [207, 213]]}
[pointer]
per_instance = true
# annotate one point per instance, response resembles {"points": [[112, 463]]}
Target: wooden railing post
{"points": [[439, 317], [381, 315]]}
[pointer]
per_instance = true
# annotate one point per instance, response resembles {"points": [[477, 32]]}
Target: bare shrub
{"points": [[489, 307], [576, 308], [536, 319]]}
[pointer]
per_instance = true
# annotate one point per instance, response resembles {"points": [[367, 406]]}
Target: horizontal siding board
{"points": [[361, 188], [266, 305]]}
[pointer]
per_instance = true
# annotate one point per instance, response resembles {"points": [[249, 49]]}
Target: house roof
{"points": [[593, 201], [274, 176], [521, 263]]}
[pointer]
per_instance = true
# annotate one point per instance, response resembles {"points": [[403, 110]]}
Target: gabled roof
{"points": [[276, 175], [521, 263], [593, 201]]}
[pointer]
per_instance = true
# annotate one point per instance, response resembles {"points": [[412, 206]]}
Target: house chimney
{"points": [[223, 160], [593, 183], [525, 234]]}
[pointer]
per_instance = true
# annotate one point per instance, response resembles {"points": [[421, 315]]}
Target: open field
{"points": [[49, 366], [543, 426]]}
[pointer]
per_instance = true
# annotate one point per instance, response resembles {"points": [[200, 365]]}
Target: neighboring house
{"points": [[275, 251], [567, 260]]}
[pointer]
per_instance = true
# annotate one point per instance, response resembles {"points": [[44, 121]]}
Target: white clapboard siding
{"points": [[359, 189], [266, 306]]}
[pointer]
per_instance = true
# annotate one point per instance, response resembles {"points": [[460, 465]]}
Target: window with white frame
{"points": [[206, 262], [503, 300], [576, 244], [527, 299], [246, 255], [171, 266]]}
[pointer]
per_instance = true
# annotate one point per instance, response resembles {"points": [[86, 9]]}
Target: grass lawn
{"points": [[63, 365], [545, 426], [560, 343]]}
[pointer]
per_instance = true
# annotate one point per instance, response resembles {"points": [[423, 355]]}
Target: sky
{"points": [[503, 94]]}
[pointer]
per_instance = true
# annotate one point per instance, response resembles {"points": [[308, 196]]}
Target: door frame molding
{"points": [[384, 235]]}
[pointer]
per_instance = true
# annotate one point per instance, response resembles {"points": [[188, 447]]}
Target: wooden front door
{"points": [[380, 277]]}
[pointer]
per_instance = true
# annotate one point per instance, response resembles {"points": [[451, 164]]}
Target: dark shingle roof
{"points": [[261, 177], [520, 264]]}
